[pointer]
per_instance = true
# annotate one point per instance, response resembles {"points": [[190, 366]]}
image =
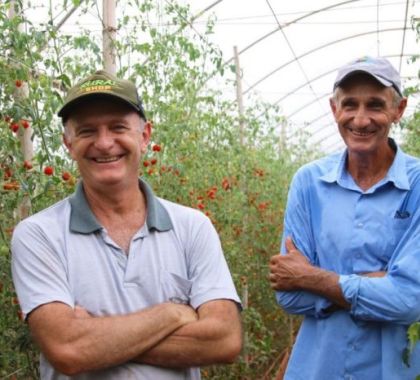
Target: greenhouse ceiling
{"points": [[289, 51]]}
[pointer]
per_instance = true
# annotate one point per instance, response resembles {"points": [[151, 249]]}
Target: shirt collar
{"points": [[397, 173], [83, 220], [337, 169]]}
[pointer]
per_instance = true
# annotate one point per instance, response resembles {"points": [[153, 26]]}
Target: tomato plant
{"points": [[198, 156]]}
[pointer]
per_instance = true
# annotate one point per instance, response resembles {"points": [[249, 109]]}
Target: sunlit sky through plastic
{"points": [[289, 51]]}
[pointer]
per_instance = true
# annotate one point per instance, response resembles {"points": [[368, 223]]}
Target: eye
{"points": [[85, 132], [119, 128], [348, 104], [376, 104]]}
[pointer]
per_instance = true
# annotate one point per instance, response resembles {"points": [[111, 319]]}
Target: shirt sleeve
{"points": [[39, 275], [297, 224], [208, 269], [395, 297]]}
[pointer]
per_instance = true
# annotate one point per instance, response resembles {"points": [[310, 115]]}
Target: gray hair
{"points": [[396, 97]]}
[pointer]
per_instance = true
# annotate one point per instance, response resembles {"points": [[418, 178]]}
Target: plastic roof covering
{"points": [[290, 51]]}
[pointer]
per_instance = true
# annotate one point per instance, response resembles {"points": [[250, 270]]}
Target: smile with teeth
{"points": [[106, 159], [360, 133]]}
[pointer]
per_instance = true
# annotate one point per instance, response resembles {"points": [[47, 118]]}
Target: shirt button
{"points": [[360, 225], [348, 376]]}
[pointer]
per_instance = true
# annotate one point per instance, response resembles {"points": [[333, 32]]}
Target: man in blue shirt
{"points": [[350, 251]]}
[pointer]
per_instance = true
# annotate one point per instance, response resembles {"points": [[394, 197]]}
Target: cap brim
{"points": [[381, 80], [66, 110]]}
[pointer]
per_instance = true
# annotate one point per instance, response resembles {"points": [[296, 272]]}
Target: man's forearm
{"points": [[374, 274], [215, 338], [79, 344], [324, 283]]}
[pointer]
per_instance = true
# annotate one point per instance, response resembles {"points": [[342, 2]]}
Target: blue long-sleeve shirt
{"points": [[343, 229]]}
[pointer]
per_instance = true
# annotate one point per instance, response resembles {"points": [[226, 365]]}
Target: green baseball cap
{"points": [[102, 84]]}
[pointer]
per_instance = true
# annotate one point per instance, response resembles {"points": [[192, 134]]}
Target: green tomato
{"points": [[4, 250]]}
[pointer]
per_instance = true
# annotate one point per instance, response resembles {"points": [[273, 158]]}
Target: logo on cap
{"points": [[97, 85]]}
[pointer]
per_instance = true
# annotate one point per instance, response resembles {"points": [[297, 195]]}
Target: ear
{"points": [[67, 143], [400, 110], [333, 107], [146, 136]]}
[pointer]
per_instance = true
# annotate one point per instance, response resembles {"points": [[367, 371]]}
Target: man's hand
{"points": [[293, 271], [286, 270], [216, 337]]}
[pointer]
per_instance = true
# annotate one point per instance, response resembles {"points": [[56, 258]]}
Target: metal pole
{"points": [[239, 96], [24, 134], [109, 33]]}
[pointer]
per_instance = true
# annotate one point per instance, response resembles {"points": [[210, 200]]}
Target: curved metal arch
{"points": [[317, 119], [307, 53], [336, 144], [325, 73], [306, 105], [258, 40], [318, 141], [325, 114], [314, 101], [316, 49], [323, 96], [321, 128]]}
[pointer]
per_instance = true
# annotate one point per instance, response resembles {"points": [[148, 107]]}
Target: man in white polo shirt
{"points": [[114, 282]]}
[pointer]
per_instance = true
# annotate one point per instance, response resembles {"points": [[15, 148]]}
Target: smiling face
{"points": [[107, 140], [364, 111]]}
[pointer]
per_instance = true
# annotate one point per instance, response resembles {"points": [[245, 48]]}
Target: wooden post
{"points": [[243, 186], [24, 134], [239, 96], [244, 297], [109, 33]]}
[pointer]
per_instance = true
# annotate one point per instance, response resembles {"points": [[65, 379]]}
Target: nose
{"points": [[361, 118], [104, 139]]}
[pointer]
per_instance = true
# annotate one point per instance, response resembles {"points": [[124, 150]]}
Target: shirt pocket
{"points": [[175, 288], [399, 228]]}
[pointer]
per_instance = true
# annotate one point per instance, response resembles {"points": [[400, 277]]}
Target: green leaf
{"points": [[65, 80], [406, 357], [413, 334]]}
